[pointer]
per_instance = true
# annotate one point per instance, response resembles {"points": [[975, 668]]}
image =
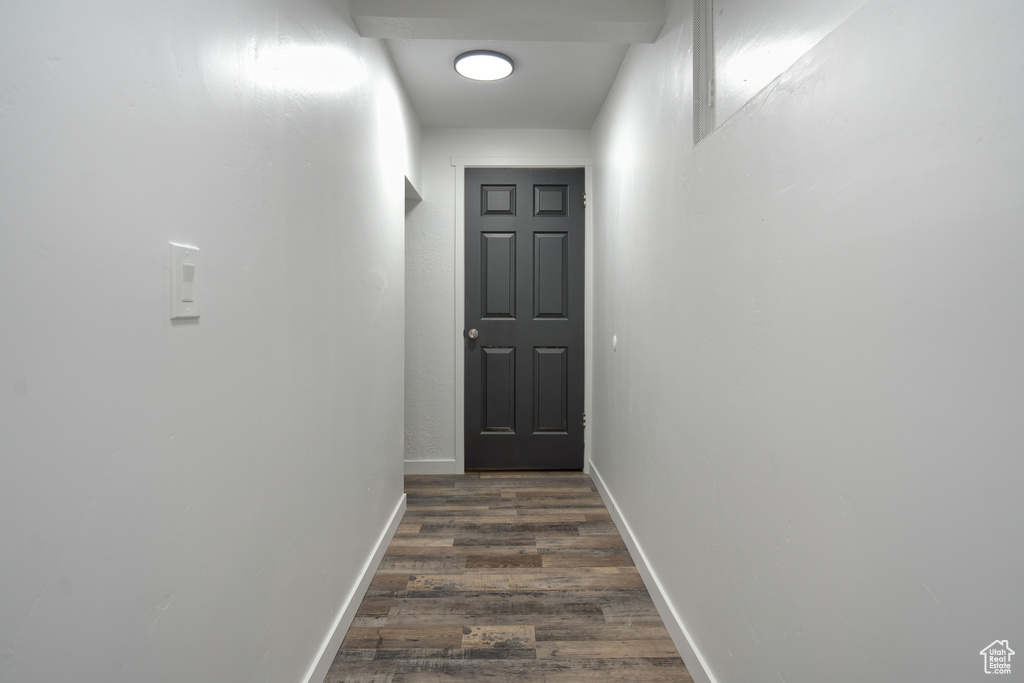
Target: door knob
{"points": [[472, 334]]}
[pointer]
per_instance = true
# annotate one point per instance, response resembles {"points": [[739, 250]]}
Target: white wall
{"points": [[812, 423], [195, 501], [431, 250]]}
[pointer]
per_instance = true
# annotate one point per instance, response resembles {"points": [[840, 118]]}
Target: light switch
{"points": [[188, 279], [184, 281]]}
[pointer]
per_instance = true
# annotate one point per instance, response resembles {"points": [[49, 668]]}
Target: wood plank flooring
{"points": [[506, 577]]}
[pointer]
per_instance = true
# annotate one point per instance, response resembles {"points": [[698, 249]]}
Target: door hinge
{"points": [[584, 419], [584, 200]]}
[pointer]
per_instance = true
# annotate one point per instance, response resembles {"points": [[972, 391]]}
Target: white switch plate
{"points": [[184, 298]]}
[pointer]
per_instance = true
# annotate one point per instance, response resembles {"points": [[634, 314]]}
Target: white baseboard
{"points": [[695, 663], [431, 467], [347, 611]]}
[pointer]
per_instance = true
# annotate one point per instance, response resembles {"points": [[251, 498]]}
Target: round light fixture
{"points": [[484, 65]]}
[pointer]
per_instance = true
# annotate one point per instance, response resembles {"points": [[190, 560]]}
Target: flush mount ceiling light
{"points": [[484, 65]]}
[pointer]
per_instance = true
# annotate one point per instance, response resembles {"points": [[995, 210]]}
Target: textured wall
{"points": [[431, 251], [194, 501], [812, 422]]}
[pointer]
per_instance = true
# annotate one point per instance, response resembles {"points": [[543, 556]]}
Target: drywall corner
{"points": [[412, 193]]}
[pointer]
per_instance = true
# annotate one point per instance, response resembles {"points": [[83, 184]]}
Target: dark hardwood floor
{"points": [[506, 577]]}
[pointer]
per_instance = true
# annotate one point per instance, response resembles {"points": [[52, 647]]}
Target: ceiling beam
{"points": [[582, 21]]}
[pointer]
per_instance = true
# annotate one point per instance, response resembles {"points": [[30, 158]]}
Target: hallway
{"points": [[804, 314], [501, 576]]}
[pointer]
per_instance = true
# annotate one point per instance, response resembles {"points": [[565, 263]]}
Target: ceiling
{"points": [[566, 52]]}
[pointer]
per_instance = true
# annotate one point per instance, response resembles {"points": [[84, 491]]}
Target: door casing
{"points": [[460, 164]]}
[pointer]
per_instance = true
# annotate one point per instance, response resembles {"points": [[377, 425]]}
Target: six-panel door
{"points": [[525, 297]]}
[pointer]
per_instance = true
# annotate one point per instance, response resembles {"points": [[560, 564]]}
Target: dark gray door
{"points": [[524, 318]]}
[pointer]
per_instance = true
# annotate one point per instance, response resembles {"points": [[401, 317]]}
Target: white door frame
{"points": [[460, 165]]}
